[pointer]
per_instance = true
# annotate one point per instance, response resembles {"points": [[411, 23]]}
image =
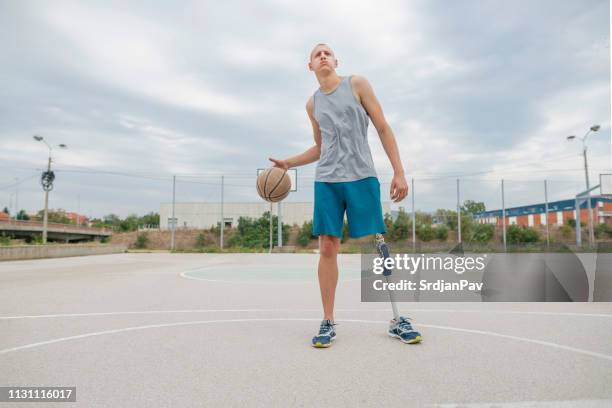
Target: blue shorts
{"points": [[361, 201]]}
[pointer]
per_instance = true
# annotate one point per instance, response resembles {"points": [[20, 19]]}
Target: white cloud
{"points": [[214, 87], [133, 54]]}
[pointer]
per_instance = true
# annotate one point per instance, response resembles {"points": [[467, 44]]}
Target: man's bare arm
{"points": [[399, 186], [310, 155]]}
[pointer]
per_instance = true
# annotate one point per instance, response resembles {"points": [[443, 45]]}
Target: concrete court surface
{"points": [[210, 330]]}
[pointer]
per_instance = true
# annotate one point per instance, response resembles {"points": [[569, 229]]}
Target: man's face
{"points": [[322, 58]]}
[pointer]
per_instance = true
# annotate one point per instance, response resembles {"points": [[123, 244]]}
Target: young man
{"points": [[345, 176]]}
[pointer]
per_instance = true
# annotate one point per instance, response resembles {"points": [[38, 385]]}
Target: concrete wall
{"points": [[17, 252], [206, 215]]}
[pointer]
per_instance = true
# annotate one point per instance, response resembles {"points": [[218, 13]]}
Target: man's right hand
{"points": [[283, 164]]}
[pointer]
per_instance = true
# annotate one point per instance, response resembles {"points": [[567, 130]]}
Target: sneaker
{"points": [[402, 329], [326, 335]]}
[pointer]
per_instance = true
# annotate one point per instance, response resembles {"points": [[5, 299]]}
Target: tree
{"points": [[441, 232], [472, 207], [482, 233], [130, 223], [399, 229], [254, 233], [151, 218], [447, 217], [425, 232], [423, 218], [111, 221], [572, 223], [6, 211], [22, 215], [57, 216]]}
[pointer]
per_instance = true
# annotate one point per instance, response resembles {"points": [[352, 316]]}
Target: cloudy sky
{"points": [[141, 91]]}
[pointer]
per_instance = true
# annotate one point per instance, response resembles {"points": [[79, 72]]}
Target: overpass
{"points": [[55, 232]]}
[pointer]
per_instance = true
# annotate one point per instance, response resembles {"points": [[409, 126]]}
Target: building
{"points": [[77, 218], [4, 216], [558, 213], [207, 215]]}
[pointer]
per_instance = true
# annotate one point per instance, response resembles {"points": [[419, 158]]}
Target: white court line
{"points": [[257, 282], [593, 403], [196, 322], [145, 312]]}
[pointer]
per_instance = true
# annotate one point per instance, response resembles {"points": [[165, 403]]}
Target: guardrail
{"points": [[19, 252], [37, 225]]}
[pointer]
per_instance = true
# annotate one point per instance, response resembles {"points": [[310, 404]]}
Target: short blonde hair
{"points": [[318, 45]]}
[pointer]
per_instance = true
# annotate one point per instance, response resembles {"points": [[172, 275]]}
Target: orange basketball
{"points": [[273, 184]]}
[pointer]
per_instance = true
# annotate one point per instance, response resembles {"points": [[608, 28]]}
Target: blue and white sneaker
{"points": [[402, 329], [326, 335]]}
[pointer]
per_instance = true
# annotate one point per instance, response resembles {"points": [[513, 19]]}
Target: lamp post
{"points": [[593, 128], [47, 184]]}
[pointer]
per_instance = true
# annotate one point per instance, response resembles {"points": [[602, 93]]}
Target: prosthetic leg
{"points": [[400, 327], [383, 251]]}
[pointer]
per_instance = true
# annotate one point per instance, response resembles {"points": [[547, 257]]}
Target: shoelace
{"points": [[404, 325], [325, 328]]}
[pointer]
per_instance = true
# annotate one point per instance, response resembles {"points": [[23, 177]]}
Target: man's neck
{"points": [[329, 82]]}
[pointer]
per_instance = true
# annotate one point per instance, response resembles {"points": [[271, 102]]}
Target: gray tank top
{"points": [[345, 153]]}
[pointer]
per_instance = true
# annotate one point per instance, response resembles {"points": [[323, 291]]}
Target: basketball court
{"points": [[193, 330]]}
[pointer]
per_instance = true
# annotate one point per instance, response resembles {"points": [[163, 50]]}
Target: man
{"points": [[345, 175]]}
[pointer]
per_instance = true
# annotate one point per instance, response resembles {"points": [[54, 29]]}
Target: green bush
{"points": [[482, 233], [141, 241], [255, 233], [441, 232], [566, 231], [516, 234], [305, 234], [401, 227], [603, 231], [129, 224], [201, 240], [425, 232], [530, 235], [572, 223], [216, 230], [345, 232], [5, 240], [388, 222]]}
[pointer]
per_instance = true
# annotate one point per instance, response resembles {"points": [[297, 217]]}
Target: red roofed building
{"points": [[77, 218]]}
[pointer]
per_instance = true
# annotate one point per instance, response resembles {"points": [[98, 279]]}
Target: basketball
{"points": [[273, 184]]}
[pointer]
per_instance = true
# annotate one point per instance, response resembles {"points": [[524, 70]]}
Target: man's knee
{"points": [[329, 245]]}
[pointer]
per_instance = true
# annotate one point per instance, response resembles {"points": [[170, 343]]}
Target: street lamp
{"points": [[47, 183], [593, 128]]}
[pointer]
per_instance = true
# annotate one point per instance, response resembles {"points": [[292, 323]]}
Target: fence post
{"points": [[222, 225], [413, 220], [546, 215], [458, 214], [503, 215], [172, 236]]}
